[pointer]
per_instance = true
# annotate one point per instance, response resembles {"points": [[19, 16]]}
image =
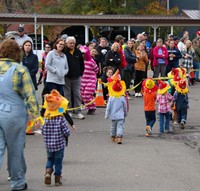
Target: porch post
{"points": [[86, 33]]}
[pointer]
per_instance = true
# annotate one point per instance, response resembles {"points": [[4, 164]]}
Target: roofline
{"points": [[100, 20]]}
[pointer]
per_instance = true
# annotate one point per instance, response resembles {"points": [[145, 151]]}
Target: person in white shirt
{"points": [[22, 37]]}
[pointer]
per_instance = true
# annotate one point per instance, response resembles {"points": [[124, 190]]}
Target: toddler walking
{"points": [[149, 96], [116, 108], [181, 101], [164, 100], [55, 133]]}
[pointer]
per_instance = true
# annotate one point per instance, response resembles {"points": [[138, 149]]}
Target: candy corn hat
{"points": [[163, 87], [181, 87], [117, 88], [55, 104], [149, 85]]}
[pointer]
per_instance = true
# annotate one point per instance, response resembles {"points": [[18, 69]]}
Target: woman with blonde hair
{"points": [[113, 57], [188, 54]]}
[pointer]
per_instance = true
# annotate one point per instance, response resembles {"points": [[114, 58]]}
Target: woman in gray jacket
{"points": [[57, 67]]}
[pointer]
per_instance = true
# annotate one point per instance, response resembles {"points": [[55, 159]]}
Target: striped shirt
{"points": [[164, 102], [54, 132], [22, 84]]}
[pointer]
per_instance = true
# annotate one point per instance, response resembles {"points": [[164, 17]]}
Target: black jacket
{"points": [[75, 63], [31, 62], [113, 59]]}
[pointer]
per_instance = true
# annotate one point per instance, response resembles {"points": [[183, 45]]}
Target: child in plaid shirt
{"points": [[55, 133], [164, 100]]}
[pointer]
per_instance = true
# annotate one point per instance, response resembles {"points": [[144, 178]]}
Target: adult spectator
{"points": [[160, 60], [174, 56], [73, 78], [187, 56], [139, 39], [130, 56], [145, 38], [120, 40], [181, 43], [197, 35], [176, 40], [102, 50], [57, 67], [43, 71], [22, 37], [151, 56], [30, 60], [18, 100], [140, 67], [113, 57], [196, 60]]}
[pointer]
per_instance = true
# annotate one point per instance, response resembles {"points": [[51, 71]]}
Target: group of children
{"points": [[171, 97], [56, 132]]}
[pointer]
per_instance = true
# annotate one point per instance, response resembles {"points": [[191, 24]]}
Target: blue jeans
{"points": [[54, 160], [117, 128], [150, 118], [2, 146], [196, 66], [164, 121], [182, 114]]}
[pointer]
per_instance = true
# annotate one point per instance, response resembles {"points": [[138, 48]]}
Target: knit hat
{"points": [[55, 104], [181, 87], [163, 87], [149, 85]]}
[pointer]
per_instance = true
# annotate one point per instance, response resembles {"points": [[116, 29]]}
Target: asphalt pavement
{"points": [[93, 163]]}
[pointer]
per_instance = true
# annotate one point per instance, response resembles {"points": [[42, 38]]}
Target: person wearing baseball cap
{"points": [[22, 37]]}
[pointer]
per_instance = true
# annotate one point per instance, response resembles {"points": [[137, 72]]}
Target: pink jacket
{"points": [[157, 56]]}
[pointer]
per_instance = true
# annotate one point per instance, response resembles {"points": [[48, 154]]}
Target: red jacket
{"points": [[157, 56], [123, 61]]}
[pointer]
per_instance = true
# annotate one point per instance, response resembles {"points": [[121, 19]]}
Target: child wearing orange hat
{"points": [[149, 96], [181, 101], [116, 108], [55, 133], [164, 100]]}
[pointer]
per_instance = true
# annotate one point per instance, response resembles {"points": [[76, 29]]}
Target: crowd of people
{"points": [[69, 73]]}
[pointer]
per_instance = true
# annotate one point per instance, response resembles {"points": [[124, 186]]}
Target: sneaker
{"points": [[182, 125], [175, 123], [136, 95], [148, 130], [139, 95], [79, 116], [91, 111], [147, 135]]}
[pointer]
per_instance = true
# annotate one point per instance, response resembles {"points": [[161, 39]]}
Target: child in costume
{"points": [[116, 108], [55, 133], [149, 94], [164, 100], [181, 101]]}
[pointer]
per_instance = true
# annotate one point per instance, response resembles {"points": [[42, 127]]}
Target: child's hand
{"points": [[73, 127]]}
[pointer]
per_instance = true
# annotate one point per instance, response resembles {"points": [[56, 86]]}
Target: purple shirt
{"points": [[54, 132]]}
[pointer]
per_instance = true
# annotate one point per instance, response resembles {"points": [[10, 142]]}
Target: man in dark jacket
{"points": [[174, 56], [73, 78]]}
